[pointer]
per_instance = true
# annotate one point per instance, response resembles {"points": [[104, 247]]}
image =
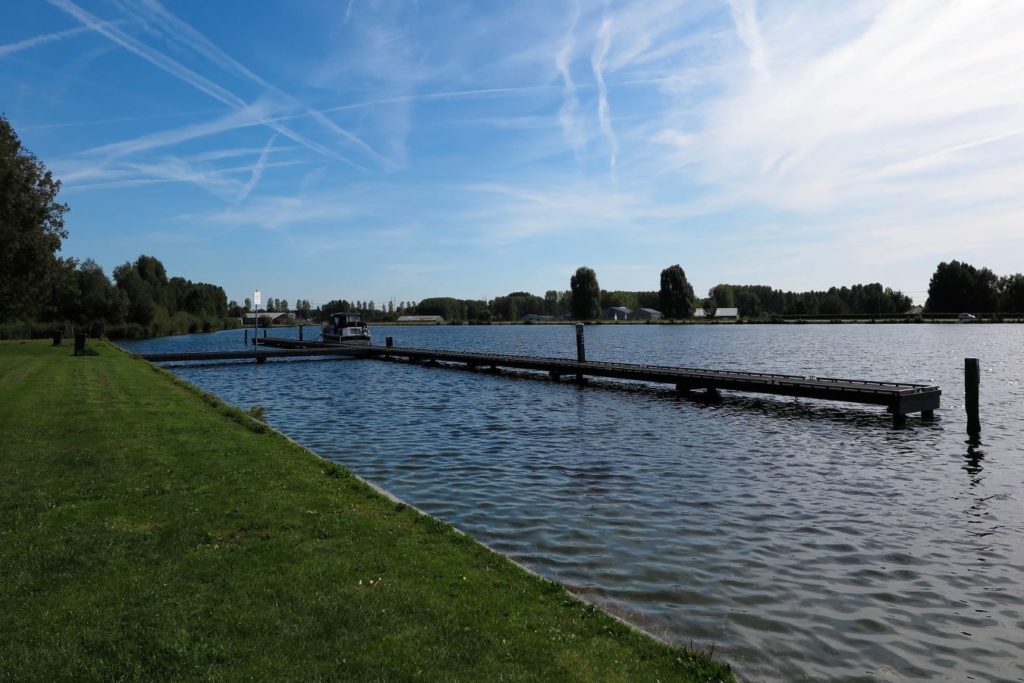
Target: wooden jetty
{"points": [[899, 398]]}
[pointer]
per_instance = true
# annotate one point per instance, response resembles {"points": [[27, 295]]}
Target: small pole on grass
{"points": [[972, 381], [581, 351]]}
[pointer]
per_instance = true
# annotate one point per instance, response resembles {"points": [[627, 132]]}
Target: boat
{"points": [[345, 328]]}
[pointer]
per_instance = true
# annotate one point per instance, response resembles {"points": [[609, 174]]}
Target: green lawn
{"points": [[148, 531]]}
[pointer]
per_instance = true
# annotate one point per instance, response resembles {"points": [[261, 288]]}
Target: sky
{"points": [[394, 150]]}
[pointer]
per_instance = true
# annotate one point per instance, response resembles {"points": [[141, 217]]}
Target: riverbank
{"points": [[148, 530]]}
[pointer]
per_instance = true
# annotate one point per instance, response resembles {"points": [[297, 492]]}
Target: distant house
{"points": [[720, 314], [616, 313], [268, 317], [532, 317], [420, 319], [646, 314]]}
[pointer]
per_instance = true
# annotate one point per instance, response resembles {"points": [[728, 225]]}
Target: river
{"points": [[800, 538]]}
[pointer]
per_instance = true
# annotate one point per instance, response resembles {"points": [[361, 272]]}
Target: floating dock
{"points": [[899, 398]]}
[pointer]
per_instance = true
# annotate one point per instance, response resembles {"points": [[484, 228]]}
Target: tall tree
{"points": [[31, 226], [960, 287], [586, 294], [710, 305], [676, 293], [1011, 293]]}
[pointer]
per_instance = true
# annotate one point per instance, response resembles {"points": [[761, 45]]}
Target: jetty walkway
{"points": [[900, 399]]}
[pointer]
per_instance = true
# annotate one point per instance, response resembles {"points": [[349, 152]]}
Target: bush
{"points": [[27, 330]]}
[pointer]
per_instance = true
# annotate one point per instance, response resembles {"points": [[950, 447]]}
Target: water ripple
{"points": [[804, 539]]}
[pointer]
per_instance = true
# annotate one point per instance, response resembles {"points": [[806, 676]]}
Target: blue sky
{"points": [[397, 150]]}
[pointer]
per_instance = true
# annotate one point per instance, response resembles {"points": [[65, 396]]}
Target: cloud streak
{"points": [[28, 43], [257, 171], [186, 75], [604, 39], [567, 114]]}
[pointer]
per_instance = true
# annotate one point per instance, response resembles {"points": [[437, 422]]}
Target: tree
{"points": [[1011, 293], [99, 300], [248, 304], [31, 226], [710, 307], [586, 294], [960, 287], [676, 293], [282, 305], [724, 295], [748, 303], [551, 303]]}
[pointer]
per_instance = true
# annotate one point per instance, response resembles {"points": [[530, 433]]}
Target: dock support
{"points": [[389, 342], [80, 338], [554, 375], [264, 333], [581, 351], [247, 336], [301, 327], [972, 381]]}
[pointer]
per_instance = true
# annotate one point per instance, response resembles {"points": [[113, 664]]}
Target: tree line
{"points": [[954, 288]]}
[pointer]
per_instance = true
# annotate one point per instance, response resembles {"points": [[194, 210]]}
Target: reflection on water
{"points": [[802, 538]]}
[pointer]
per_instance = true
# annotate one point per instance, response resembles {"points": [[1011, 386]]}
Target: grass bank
{"points": [[148, 531]]}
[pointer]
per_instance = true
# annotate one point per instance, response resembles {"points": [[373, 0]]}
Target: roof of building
{"points": [[649, 310], [719, 313], [619, 309], [268, 314]]}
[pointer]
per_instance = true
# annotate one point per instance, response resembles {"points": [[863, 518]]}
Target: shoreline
{"points": [[185, 507]]}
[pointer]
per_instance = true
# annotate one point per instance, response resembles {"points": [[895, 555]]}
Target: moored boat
{"points": [[345, 328]]}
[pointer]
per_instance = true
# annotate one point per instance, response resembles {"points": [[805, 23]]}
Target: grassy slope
{"points": [[147, 532]]}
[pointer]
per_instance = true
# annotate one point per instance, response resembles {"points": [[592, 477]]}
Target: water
{"points": [[804, 539]]}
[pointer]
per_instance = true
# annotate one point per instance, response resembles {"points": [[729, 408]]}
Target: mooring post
{"points": [[300, 331], [581, 351], [264, 333], [972, 381], [389, 342], [247, 336]]}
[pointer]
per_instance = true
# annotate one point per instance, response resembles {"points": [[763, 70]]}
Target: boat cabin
{"points": [[340, 321], [345, 327]]}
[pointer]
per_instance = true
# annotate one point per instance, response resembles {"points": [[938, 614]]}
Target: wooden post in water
{"points": [[264, 333], [300, 332], [247, 336], [581, 351], [972, 381]]}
